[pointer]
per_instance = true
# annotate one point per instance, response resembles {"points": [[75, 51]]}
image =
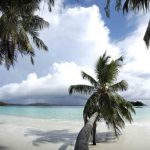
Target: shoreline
{"points": [[43, 134]]}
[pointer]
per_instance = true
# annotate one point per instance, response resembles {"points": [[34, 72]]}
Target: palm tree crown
{"points": [[104, 98], [19, 25]]}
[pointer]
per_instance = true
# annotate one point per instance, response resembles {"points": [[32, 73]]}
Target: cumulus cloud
{"points": [[137, 61], [75, 34], [52, 88], [76, 38]]}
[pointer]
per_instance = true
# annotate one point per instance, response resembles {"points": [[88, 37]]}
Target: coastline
{"points": [[43, 134], [37, 134]]}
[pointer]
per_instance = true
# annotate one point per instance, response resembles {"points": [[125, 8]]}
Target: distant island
{"points": [[134, 103], [137, 103], [3, 104], [33, 104]]}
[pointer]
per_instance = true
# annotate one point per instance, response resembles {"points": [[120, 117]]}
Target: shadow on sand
{"points": [[1, 123], [3, 147], [106, 137], [65, 137], [55, 136]]}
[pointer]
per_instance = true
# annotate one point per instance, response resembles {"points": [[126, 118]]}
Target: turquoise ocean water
{"points": [[60, 112]]}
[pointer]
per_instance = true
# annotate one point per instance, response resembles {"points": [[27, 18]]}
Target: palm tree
{"points": [[131, 5], [50, 3], [104, 99], [19, 25]]}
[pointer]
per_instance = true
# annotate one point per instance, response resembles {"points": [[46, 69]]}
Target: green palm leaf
{"points": [[83, 89], [120, 86], [90, 104], [147, 35], [18, 22], [89, 78], [136, 5], [119, 61]]}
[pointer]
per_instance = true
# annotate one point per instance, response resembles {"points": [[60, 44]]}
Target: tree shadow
{"points": [[65, 137], [55, 136], [1, 123], [3, 147], [106, 137]]}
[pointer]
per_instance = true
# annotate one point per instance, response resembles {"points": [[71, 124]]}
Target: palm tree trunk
{"points": [[94, 133], [83, 136]]}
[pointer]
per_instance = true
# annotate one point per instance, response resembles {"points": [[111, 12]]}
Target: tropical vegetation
{"points": [[19, 25], [137, 103], [104, 97], [131, 5], [3, 104]]}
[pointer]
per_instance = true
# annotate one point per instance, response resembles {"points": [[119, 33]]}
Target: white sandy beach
{"points": [[18, 133]]}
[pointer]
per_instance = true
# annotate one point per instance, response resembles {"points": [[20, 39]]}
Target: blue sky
{"points": [[77, 36], [117, 23]]}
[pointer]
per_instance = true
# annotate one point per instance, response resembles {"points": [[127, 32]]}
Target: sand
{"points": [[18, 133]]}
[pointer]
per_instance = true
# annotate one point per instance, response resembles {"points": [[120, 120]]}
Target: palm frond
{"points": [[118, 5], [119, 111], [115, 121], [89, 78], [125, 108], [39, 43], [101, 68], [119, 61], [90, 106], [106, 70], [125, 113], [115, 127], [34, 22], [136, 5], [112, 72], [104, 102], [50, 4], [107, 8], [105, 57], [83, 89], [120, 86], [127, 104], [18, 22], [147, 35]]}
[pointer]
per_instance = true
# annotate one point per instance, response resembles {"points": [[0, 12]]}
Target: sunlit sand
{"points": [[18, 133]]}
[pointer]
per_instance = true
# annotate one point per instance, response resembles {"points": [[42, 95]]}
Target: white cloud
{"points": [[54, 84], [79, 33], [76, 38], [137, 61]]}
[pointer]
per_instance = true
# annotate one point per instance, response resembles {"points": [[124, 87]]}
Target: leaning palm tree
{"points": [[19, 25], [104, 97]]}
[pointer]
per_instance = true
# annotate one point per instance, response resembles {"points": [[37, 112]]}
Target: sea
{"points": [[66, 113]]}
